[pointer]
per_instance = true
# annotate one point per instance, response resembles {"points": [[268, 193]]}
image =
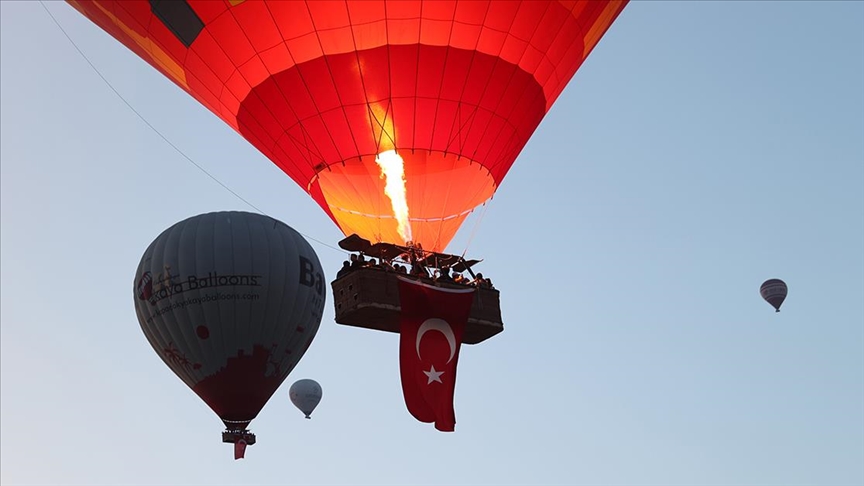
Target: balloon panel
{"points": [[230, 301], [315, 85]]}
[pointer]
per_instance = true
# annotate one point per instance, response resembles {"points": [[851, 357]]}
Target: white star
{"points": [[434, 375]]}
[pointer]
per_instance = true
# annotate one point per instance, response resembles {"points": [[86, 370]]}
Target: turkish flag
{"points": [[431, 327], [239, 449]]}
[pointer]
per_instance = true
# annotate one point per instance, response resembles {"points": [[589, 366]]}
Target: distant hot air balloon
{"points": [[305, 395], [230, 301], [774, 292], [398, 118]]}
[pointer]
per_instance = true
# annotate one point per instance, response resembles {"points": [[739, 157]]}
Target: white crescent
{"points": [[440, 325]]}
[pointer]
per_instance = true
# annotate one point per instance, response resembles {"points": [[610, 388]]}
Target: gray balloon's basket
{"points": [[233, 436]]}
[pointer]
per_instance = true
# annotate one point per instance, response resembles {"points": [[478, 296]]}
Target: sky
{"points": [[702, 148]]}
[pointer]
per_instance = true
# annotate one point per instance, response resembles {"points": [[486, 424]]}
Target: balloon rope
{"points": [[476, 226], [163, 137]]}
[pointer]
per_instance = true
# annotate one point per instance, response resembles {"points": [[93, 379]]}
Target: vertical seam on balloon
{"points": [[309, 91], [559, 86], [488, 79], [416, 83], [540, 94], [383, 123], [298, 310], [332, 80], [270, 324], [459, 106], [251, 122], [285, 98], [440, 84], [367, 181], [494, 112], [287, 164], [169, 321], [253, 320], [255, 53], [390, 82], [367, 109], [173, 327], [366, 95], [285, 324], [308, 144], [505, 155], [275, 238], [472, 117], [437, 240], [245, 322], [378, 194], [292, 169], [233, 259], [317, 150], [260, 227], [211, 345], [222, 328], [202, 86], [252, 91], [470, 63], [309, 330], [188, 309], [390, 96]]}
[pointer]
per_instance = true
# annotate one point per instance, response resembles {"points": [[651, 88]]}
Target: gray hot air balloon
{"points": [[305, 394], [230, 301], [774, 292]]}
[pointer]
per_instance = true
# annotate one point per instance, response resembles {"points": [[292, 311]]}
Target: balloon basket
{"points": [[369, 298], [232, 436]]}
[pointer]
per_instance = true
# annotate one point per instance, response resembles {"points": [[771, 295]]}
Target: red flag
{"points": [[239, 449], [432, 324]]}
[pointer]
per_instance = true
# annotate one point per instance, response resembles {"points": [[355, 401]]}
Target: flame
{"points": [[393, 172]]}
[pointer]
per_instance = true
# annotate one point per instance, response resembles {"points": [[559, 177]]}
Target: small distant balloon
{"points": [[774, 292], [305, 395]]}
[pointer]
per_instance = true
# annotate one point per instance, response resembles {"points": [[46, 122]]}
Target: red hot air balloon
{"points": [[397, 117], [230, 301]]}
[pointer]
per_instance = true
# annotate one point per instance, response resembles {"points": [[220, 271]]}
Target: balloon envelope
{"points": [[230, 301], [774, 292], [456, 88], [305, 394]]}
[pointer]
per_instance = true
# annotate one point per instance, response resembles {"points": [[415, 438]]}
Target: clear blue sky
{"points": [[703, 148]]}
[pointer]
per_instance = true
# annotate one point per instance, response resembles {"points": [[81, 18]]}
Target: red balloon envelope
{"points": [[332, 90]]}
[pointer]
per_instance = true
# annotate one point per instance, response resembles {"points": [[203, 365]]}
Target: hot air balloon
{"points": [[305, 395], [774, 292], [230, 301], [397, 117]]}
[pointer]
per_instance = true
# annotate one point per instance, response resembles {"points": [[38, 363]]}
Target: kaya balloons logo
{"points": [[167, 285]]}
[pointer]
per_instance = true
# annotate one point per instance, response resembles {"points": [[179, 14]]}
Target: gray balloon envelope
{"points": [[774, 292], [230, 301], [306, 395]]}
